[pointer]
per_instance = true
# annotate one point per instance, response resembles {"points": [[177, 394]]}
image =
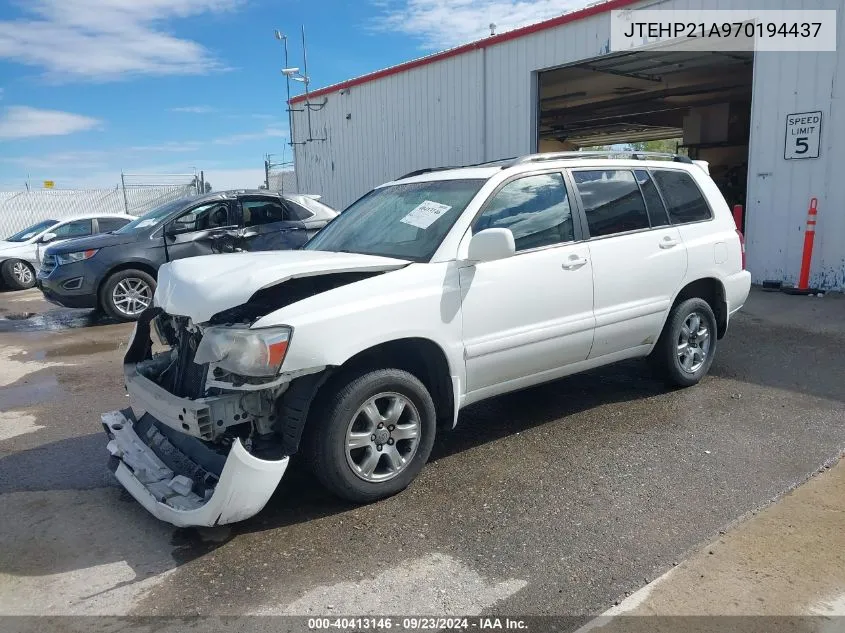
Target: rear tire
{"points": [[126, 294], [17, 274], [687, 345], [356, 443]]}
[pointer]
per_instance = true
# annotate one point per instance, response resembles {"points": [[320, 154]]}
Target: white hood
{"points": [[200, 287]]}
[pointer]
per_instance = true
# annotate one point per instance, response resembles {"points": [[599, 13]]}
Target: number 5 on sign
{"points": [[803, 135]]}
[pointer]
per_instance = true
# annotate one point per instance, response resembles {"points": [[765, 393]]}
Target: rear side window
{"points": [[535, 209], [266, 211], [656, 210], [297, 212], [107, 225], [612, 201], [684, 201]]}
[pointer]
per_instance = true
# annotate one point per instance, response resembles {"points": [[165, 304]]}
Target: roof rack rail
{"points": [[503, 162], [418, 172], [535, 158]]}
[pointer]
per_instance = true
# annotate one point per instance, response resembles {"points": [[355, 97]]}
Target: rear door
{"points": [[269, 225], [639, 260]]}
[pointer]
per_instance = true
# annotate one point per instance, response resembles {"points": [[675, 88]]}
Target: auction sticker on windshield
{"points": [[423, 215]]}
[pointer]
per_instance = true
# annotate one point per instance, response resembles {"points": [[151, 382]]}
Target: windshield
{"points": [[32, 231], [402, 221], [151, 218]]}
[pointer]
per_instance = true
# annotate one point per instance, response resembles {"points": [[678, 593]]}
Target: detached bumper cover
{"points": [[245, 484]]}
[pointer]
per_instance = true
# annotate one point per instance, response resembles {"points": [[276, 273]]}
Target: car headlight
{"points": [[69, 258], [244, 351]]}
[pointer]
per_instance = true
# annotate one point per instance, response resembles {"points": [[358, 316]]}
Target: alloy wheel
{"points": [[22, 273], [382, 437], [693, 343], [131, 296]]}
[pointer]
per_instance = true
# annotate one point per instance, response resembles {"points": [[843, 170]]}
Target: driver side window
{"points": [[209, 216], [535, 209]]}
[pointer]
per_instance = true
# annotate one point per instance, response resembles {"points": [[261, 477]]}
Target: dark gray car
{"points": [[116, 272]]}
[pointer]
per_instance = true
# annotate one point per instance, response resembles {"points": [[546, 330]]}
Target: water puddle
{"points": [[54, 320]]}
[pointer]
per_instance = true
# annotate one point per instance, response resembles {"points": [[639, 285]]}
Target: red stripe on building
{"points": [[581, 14]]}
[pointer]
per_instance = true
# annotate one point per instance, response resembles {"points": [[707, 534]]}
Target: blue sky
{"points": [[90, 87]]}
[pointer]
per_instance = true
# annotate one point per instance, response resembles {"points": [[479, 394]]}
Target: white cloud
{"points": [[202, 109], [442, 24], [26, 122], [106, 39], [234, 139]]}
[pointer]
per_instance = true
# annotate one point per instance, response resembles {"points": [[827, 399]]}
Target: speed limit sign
{"points": [[803, 135]]}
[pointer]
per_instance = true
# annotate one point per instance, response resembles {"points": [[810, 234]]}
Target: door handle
{"points": [[574, 262], [668, 242]]}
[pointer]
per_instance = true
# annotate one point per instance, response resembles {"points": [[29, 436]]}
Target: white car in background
{"points": [[20, 253], [430, 293]]}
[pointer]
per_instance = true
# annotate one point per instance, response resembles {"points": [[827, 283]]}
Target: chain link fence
{"points": [[283, 180], [20, 209]]}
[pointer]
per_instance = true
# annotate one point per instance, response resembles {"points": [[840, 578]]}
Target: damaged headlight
{"points": [[244, 351]]}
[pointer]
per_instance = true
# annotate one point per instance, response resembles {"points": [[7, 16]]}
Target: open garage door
{"points": [[703, 99]]}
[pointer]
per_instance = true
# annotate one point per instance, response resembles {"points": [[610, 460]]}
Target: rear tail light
{"points": [[741, 246]]}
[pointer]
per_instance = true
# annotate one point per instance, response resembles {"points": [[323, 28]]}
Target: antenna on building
{"points": [[492, 29]]}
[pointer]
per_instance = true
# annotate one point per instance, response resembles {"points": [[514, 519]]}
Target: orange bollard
{"points": [[809, 238]]}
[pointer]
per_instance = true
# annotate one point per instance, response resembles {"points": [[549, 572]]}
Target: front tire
{"points": [[126, 294], [17, 274], [371, 435], [687, 345]]}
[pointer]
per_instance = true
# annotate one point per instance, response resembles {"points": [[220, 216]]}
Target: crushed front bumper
{"points": [[242, 489]]}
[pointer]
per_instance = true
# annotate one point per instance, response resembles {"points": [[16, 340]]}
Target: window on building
{"points": [[612, 201], [536, 210], [683, 197]]}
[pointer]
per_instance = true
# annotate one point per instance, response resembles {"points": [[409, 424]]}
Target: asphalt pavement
{"points": [[558, 500]]}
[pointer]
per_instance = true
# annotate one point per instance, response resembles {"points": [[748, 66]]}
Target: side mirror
{"points": [[48, 237], [491, 244]]}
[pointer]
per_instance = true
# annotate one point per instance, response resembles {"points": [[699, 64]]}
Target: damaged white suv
{"points": [[430, 293]]}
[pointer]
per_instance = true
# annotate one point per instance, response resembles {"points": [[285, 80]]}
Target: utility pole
{"points": [[202, 182], [267, 172]]}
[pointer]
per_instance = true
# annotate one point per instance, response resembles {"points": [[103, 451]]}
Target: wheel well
{"points": [[713, 292], [421, 357], [150, 270]]}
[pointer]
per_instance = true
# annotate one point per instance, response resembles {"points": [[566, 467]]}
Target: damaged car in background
{"points": [[430, 293]]}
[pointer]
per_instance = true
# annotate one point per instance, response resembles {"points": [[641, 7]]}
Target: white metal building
{"points": [[556, 85]]}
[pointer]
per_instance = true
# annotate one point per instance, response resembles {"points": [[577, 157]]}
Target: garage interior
{"points": [[701, 98]]}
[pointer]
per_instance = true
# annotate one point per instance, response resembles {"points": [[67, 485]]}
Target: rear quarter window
{"points": [[612, 201], [684, 200]]}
